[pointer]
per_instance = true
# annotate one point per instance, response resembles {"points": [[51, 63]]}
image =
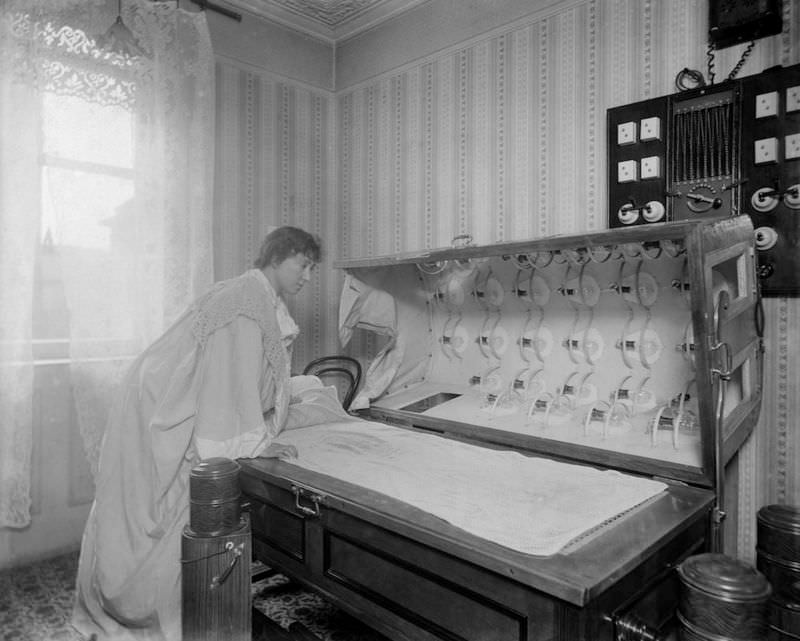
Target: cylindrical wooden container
{"points": [[778, 545], [779, 573], [784, 614], [690, 632], [215, 585], [723, 597], [214, 497]]}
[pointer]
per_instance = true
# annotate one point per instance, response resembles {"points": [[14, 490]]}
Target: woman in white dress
{"points": [[217, 383]]}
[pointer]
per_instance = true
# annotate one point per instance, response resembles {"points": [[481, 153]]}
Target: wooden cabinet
{"points": [[636, 350]]}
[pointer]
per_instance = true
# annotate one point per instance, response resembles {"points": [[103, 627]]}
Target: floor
{"points": [[36, 601]]}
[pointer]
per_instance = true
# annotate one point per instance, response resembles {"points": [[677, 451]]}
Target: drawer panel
{"points": [[418, 595], [279, 528]]}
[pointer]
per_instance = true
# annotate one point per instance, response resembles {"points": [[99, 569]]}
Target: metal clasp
{"points": [[309, 494], [726, 367]]}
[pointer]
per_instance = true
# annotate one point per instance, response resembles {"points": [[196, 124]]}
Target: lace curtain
{"points": [[106, 169]]}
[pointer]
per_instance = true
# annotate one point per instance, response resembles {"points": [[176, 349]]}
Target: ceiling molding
{"points": [[328, 20]]}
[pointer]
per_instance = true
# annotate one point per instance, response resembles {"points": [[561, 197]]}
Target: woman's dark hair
{"points": [[285, 242]]}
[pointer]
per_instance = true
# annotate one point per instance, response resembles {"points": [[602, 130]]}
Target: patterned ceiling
{"points": [[330, 20]]}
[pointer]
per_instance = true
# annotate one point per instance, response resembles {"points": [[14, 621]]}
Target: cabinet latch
{"points": [[311, 498], [724, 360]]}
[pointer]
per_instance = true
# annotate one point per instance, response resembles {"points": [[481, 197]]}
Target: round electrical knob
{"points": [[792, 196], [702, 198], [766, 237], [627, 214], [764, 199], [653, 211]]}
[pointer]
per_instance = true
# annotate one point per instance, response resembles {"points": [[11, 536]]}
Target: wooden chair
{"points": [[343, 372]]}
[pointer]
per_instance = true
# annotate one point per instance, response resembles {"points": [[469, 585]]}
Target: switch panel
{"points": [[636, 160], [791, 147], [725, 149], [766, 150], [767, 104], [651, 167], [650, 129], [627, 171], [772, 175], [626, 133], [793, 99]]}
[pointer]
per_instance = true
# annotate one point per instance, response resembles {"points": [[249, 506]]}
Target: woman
{"points": [[215, 384]]}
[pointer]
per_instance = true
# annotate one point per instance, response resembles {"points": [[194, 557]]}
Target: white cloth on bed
{"points": [[532, 505]]}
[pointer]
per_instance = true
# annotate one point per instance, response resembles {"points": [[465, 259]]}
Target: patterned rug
{"points": [[36, 602]]}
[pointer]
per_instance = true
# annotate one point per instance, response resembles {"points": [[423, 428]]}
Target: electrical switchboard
{"points": [[718, 150]]}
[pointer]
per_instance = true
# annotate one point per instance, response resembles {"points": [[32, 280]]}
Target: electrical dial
{"points": [[702, 198]]}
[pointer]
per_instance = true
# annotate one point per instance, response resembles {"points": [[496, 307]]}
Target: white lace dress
{"points": [[215, 384]]}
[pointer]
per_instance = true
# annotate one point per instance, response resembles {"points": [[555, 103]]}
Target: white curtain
{"points": [[106, 168]]}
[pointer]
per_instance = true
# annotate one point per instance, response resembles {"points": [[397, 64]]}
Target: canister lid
{"points": [[215, 467], [724, 577], [781, 517]]}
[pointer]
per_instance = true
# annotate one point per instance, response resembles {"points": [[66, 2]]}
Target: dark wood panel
{"points": [[639, 234], [279, 528], [424, 596]]}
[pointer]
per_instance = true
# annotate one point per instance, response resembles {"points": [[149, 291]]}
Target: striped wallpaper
{"points": [[503, 138]]}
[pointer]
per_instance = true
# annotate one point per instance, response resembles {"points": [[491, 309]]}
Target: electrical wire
{"points": [[689, 79], [710, 62], [745, 54], [692, 79]]}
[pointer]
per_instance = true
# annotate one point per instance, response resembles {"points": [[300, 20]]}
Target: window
{"points": [[87, 183]]}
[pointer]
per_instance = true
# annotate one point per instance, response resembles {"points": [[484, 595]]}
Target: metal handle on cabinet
{"points": [[726, 367], [316, 499], [630, 628]]}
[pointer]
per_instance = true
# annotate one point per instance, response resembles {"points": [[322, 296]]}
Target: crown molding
{"points": [[327, 20]]}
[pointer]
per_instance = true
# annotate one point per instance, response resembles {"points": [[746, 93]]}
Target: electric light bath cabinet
{"points": [[633, 349]]}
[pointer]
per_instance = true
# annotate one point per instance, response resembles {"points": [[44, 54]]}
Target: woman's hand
{"points": [[278, 450]]}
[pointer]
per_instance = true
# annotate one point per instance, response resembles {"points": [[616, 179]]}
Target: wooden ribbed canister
{"points": [[778, 545], [784, 614], [216, 585], [214, 497], [722, 599]]}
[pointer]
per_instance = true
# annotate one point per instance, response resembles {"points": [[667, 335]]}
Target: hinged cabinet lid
{"points": [[635, 349]]}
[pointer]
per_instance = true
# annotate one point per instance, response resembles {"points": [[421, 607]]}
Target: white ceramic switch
{"points": [[767, 104], [653, 211], [627, 214], [626, 133], [651, 167], [793, 98], [791, 146], [766, 150], [650, 129], [627, 171]]}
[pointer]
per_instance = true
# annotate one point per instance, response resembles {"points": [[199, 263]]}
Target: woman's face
{"points": [[292, 274]]}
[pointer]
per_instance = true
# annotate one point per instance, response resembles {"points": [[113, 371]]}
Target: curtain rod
{"points": [[204, 4]]}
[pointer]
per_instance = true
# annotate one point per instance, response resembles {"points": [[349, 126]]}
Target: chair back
{"points": [[343, 372]]}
